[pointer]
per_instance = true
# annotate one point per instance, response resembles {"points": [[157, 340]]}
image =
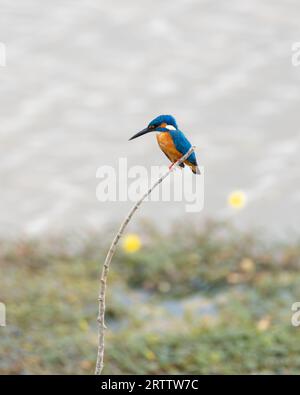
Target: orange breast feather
{"points": [[166, 144]]}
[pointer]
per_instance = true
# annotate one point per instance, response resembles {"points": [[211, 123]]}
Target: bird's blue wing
{"points": [[182, 145]]}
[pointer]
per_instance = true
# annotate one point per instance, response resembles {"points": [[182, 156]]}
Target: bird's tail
{"points": [[195, 169]]}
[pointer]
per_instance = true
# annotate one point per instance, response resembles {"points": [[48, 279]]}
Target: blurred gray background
{"points": [[84, 76]]}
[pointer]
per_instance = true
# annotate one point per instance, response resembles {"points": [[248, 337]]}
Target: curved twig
{"points": [[110, 254]]}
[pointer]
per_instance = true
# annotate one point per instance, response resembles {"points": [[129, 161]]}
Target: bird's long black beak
{"points": [[144, 131]]}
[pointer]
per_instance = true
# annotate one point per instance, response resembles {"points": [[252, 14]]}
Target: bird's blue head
{"points": [[164, 121], [159, 124]]}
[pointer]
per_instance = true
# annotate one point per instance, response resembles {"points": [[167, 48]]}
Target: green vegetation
{"points": [[209, 300]]}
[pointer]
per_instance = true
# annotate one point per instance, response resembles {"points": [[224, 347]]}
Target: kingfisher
{"points": [[171, 141]]}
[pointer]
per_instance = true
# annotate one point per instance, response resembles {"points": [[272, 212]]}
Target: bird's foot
{"points": [[171, 165]]}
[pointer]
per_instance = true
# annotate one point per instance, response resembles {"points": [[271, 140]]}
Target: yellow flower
{"points": [[131, 243], [237, 199], [150, 355], [83, 325], [247, 265], [264, 323]]}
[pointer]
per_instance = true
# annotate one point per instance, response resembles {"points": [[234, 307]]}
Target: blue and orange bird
{"points": [[171, 140]]}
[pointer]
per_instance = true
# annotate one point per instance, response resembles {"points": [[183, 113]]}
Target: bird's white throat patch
{"points": [[170, 127]]}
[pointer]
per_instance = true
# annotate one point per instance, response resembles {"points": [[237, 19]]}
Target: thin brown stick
{"points": [[110, 254]]}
